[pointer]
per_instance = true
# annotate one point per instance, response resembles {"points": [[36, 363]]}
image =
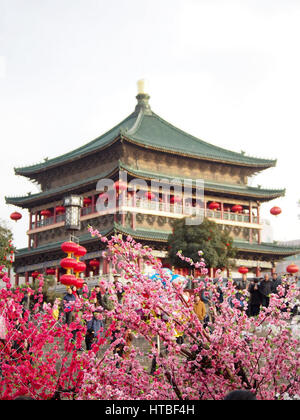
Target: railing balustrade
{"points": [[158, 206]]}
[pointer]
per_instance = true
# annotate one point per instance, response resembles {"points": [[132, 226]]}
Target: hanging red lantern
{"points": [[35, 274], [46, 213], [78, 283], [120, 186], [94, 263], [237, 208], [16, 216], [68, 263], [80, 251], [150, 195], [50, 271], [275, 211], [213, 206], [79, 267], [175, 199], [292, 269], [69, 247], [60, 210], [243, 270], [68, 279], [87, 201]]}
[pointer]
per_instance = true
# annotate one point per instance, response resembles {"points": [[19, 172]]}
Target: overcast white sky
{"points": [[225, 71]]}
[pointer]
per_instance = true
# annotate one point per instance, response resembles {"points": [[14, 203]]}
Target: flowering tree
{"points": [[40, 356]]}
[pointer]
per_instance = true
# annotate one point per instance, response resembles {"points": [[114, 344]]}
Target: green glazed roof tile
{"points": [[149, 130]]}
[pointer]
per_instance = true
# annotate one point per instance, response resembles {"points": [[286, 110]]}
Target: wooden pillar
{"points": [[93, 204], [57, 274], [134, 213], [17, 278], [101, 266], [257, 271], [27, 277], [222, 210]]}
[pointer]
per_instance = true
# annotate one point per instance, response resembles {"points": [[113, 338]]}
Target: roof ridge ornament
{"points": [[142, 98]]}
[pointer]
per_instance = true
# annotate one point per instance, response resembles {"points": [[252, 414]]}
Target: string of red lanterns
{"points": [[72, 264]]}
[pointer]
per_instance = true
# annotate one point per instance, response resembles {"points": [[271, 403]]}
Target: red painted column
{"points": [[134, 213], [17, 278], [93, 204]]}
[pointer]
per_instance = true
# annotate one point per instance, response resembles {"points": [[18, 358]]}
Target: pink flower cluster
{"points": [[39, 355]]}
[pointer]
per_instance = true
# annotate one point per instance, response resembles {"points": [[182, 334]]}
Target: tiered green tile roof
{"points": [[263, 194], [147, 129]]}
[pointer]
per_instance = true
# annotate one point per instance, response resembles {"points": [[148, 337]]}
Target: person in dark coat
{"points": [[68, 305], [255, 298], [276, 281], [94, 329], [266, 288], [240, 395]]}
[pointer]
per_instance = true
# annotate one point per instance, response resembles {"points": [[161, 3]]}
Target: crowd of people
{"points": [[259, 291]]}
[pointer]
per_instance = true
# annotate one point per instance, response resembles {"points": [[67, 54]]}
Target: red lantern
{"points": [[46, 213], [50, 271], [79, 267], [35, 274], [94, 263], [69, 247], [237, 208], [78, 283], [275, 211], [80, 251], [60, 210], [175, 199], [68, 279], [149, 195], [68, 263], [214, 206], [87, 201], [120, 186], [243, 270], [292, 269], [16, 216]]}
